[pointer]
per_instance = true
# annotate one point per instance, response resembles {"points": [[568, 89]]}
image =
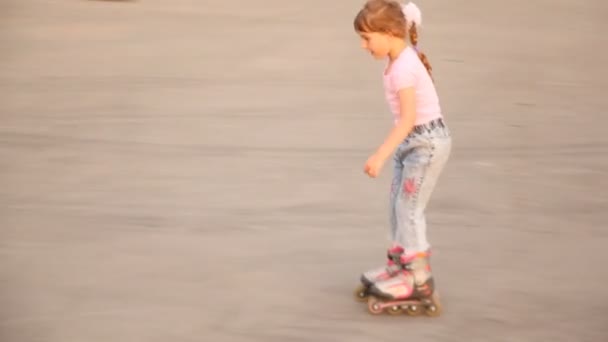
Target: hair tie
{"points": [[412, 14]]}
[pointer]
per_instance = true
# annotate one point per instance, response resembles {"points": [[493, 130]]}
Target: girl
{"points": [[420, 144]]}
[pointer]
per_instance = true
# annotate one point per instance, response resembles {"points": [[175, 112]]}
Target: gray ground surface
{"points": [[192, 171]]}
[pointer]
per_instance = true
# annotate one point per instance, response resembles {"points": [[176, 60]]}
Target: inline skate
{"points": [[392, 267], [411, 290]]}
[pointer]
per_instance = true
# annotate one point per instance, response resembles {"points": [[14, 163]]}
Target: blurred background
{"points": [[193, 171]]}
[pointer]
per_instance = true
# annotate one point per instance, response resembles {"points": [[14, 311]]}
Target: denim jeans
{"points": [[419, 161]]}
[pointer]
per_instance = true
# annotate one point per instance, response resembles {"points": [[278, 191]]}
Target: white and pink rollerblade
{"points": [[381, 273], [411, 290]]}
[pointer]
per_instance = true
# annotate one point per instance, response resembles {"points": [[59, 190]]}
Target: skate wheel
{"points": [[414, 310], [395, 310], [434, 308], [374, 306], [361, 293]]}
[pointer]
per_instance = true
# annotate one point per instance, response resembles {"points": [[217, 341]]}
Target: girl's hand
{"points": [[374, 165], [407, 100]]}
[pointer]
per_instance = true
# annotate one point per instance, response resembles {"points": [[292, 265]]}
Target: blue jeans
{"points": [[419, 161]]}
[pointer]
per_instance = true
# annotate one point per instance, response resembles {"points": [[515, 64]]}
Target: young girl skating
{"points": [[419, 144]]}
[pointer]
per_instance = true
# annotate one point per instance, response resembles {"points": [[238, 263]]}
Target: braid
{"points": [[414, 40]]}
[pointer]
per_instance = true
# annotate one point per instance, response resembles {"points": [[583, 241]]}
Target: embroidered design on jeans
{"points": [[409, 186]]}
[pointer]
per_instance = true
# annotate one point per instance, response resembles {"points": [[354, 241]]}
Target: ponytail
{"points": [[414, 40], [413, 18]]}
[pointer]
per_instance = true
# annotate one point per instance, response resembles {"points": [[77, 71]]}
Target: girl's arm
{"points": [[407, 100]]}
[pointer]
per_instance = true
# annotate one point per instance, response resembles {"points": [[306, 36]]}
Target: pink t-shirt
{"points": [[408, 71]]}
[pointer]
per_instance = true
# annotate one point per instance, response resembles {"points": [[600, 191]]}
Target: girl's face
{"points": [[378, 44]]}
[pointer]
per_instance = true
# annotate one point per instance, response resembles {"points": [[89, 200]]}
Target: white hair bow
{"points": [[412, 14]]}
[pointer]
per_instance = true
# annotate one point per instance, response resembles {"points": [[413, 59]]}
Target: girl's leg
{"points": [[423, 159], [394, 193], [422, 166]]}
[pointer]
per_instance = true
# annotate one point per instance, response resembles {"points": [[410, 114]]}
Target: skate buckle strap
{"points": [[394, 254], [419, 255]]}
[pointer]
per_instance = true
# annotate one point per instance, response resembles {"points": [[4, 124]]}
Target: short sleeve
{"points": [[402, 76]]}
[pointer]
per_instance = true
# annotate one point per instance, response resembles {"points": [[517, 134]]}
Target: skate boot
{"points": [[410, 291], [392, 267]]}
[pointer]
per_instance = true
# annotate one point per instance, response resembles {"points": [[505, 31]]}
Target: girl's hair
{"points": [[386, 16]]}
